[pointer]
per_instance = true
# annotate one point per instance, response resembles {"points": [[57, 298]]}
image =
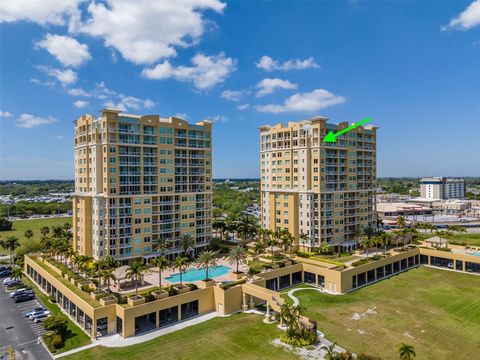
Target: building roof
{"points": [[437, 240]]}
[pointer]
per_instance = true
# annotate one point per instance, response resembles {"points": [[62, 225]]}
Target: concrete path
{"points": [[118, 341]]}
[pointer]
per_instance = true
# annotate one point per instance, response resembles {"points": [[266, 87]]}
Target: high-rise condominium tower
{"points": [[322, 190], [140, 179]]}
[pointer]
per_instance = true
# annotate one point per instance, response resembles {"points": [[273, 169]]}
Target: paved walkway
{"points": [[118, 341]]}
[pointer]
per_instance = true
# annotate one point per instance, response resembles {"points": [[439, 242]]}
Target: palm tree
{"points": [[44, 230], [272, 241], [323, 247], [302, 238], [28, 234], [70, 253], [366, 244], [237, 255], [107, 275], [162, 264], [330, 352], [258, 247], [385, 239], [181, 264], [207, 259], [162, 245], [10, 244], [286, 240], [135, 272], [368, 231], [17, 272], [186, 243], [406, 352]]}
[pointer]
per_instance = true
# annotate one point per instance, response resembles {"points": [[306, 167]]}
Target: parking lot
{"points": [[23, 334]]}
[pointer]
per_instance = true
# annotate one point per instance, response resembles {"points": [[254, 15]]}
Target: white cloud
{"points": [[28, 121], [80, 104], [206, 72], [233, 95], [243, 106], [49, 84], [145, 31], [217, 118], [304, 102], [268, 86], [130, 102], [59, 137], [5, 114], [65, 77], [65, 49], [467, 19], [42, 12], [268, 64], [183, 116]]}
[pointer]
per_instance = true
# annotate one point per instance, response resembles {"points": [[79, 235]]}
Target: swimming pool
{"points": [[198, 274], [475, 254]]}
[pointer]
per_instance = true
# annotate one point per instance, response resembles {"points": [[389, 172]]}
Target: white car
{"points": [[19, 291], [40, 317]]}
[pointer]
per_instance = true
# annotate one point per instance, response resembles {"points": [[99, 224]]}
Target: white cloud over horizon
{"points": [[5, 114], [67, 50], [206, 72], [467, 19], [268, 64], [304, 102]]}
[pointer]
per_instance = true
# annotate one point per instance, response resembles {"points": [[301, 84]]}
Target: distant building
{"points": [[442, 188]]}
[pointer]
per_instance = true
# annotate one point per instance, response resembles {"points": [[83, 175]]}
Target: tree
{"points": [[302, 238], [237, 256], [44, 231], [207, 259], [5, 225], [368, 231], [135, 272], [323, 247], [57, 324], [162, 245], [286, 240], [406, 352], [366, 244], [28, 234], [162, 264], [17, 272], [272, 241], [10, 244], [107, 275], [291, 316], [258, 247], [384, 239], [186, 243], [180, 264]]}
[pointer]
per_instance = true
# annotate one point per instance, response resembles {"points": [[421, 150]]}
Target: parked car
{"points": [[25, 296], [40, 317], [450, 265], [33, 312], [4, 273], [11, 282], [5, 267], [20, 291], [464, 220]]}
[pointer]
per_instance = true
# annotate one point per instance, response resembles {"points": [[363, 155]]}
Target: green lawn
{"points": [[77, 337], [239, 336], [469, 239], [436, 311], [35, 225]]}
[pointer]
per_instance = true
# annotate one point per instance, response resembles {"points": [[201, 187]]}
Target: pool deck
{"points": [[150, 279]]}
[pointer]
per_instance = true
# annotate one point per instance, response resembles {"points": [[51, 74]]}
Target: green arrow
{"points": [[331, 137]]}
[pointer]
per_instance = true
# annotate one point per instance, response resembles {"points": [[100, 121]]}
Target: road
{"points": [[19, 332]]}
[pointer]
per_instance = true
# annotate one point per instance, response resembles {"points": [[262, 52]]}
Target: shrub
{"points": [[192, 286], [305, 340], [5, 225], [52, 341], [303, 254], [172, 291], [253, 271], [233, 283], [148, 297], [52, 299], [57, 324], [444, 249], [376, 257], [86, 288], [359, 262]]}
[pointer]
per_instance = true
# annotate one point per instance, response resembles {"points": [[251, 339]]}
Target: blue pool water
{"points": [[475, 254], [198, 274]]}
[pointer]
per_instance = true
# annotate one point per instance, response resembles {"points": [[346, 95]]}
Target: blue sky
{"points": [[414, 67]]}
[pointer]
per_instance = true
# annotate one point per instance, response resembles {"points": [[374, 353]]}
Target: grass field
{"points": [[35, 225], [436, 311], [77, 337], [239, 336], [469, 239]]}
